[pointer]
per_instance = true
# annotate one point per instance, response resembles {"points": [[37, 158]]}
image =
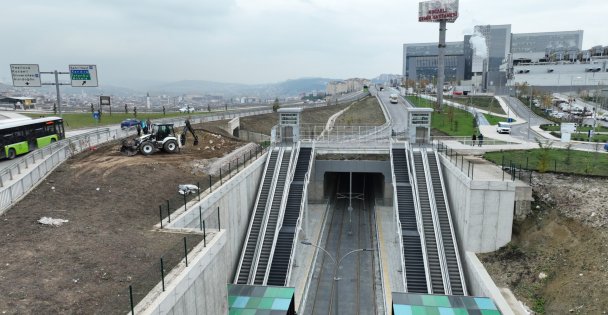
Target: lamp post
{"points": [[530, 112], [336, 267]]}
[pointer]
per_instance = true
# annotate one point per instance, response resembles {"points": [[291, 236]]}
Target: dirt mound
{"points": [[110, 202], [558, 259]]}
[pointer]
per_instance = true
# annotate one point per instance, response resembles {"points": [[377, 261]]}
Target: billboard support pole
{"points": [[441, 63]]}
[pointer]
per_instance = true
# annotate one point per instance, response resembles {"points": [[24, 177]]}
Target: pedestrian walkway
{"points": [[6, 117]]}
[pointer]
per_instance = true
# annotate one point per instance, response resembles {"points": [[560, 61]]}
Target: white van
{"points": [[503, 127]]}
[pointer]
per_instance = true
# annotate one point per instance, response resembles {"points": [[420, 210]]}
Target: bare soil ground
{"points": [[263, 123], [557, 262], [366, 112], [111, 201]]}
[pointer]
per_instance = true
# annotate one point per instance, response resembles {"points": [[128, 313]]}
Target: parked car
{"points": [[186, 109], [128, 123], [503, 127]]}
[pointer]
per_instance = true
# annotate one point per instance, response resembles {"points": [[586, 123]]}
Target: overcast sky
{"points": [[255, 41]]}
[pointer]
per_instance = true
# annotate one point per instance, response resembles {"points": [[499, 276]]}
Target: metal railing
{"points": [[227, 171], [22, 175]]}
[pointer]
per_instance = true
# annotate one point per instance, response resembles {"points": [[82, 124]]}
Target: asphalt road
{"points": [[397, 112]]}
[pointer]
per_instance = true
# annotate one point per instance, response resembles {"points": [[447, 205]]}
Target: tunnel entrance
{"points": [[349, 238], [373, 183]]}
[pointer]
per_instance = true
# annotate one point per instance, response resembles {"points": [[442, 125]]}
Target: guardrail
{"points": [[41, 162]]}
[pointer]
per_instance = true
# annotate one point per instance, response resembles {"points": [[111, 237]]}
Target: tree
{"points": [[276, 105], [544, 156]]}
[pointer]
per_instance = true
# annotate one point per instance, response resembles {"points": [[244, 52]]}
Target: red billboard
{"points": [[437, 10]]}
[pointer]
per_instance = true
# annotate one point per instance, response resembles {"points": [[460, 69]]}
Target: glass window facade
{"points": [[420, 61], [550, 41]]}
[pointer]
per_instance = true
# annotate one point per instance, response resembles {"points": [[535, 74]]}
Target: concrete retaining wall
{"points": [[197, 289], [253, 136], [235, 200], [481, 284], [482, 211]]}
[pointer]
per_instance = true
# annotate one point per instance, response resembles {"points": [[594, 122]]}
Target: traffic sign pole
{"points": [[56, 84]]}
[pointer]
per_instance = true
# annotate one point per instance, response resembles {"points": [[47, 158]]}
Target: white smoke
{"points": [[478, 42]]}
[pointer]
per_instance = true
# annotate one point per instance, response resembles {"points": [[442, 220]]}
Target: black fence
{"points": [[156, 273], [226, 172]]}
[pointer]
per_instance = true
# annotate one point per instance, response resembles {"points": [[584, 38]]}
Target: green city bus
{"points": [[20, 137]]}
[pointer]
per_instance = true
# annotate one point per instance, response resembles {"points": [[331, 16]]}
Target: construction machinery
{"points": [[188, 127], [162, 137]]}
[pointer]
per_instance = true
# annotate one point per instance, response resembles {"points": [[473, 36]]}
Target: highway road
{"points": [[397, 112]]}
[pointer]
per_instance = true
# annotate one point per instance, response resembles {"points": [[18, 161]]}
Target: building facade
{"points": [[505, 58], [420, 61]]}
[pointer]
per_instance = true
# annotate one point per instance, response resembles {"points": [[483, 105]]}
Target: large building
{"points": [[537, 47], [420, 61], [494, 58]]}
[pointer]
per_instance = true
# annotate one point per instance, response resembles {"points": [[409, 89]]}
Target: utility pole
{"points": [[57, 84]]}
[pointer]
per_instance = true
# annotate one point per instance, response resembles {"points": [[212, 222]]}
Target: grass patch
{"points": [[582, 136], [493, 120], [554, 160], [452, 121], [367, 112], [83, 120], [488, 103], [583, 128]]}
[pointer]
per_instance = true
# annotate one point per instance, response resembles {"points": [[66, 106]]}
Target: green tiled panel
{"points": [[436, 300], [266, 303], [428, 304]]}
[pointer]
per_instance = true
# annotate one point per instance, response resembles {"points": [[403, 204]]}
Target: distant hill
{"points": [[286, 88]]}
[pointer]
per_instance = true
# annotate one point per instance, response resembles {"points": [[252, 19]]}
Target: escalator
{"points": [[257, 218], [285, 239], [433, 255], [449, 245], [415, 274], [271, 223]]}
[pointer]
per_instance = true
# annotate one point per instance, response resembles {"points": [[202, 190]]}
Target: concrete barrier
{"points": [[481, 284], [235, 200], [482, 210], [193, 289]]}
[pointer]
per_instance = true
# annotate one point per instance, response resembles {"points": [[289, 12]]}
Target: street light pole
{"points": [[530, 112], [336, 267]]}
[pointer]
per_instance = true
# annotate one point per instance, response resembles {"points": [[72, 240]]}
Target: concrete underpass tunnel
{"points": [[369, 184], [347, 230]]}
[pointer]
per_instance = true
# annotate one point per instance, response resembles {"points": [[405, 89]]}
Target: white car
{"points": [[503, 127], [186, 110]]}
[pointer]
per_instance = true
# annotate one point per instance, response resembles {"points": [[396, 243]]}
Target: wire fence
{"points": [[154, 275], [226, 171], [154, 278]]}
